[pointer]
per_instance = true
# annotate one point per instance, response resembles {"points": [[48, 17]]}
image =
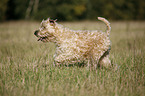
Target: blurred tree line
{"points": [[72, 9]]}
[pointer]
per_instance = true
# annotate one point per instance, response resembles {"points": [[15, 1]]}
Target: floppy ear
{"points": [[52, 21], [55, 20], [47, 20]]}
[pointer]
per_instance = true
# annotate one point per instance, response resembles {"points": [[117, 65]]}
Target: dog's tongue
{"points": [[39, 39]]}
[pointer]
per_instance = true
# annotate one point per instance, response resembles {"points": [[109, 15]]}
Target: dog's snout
{"points": [[36, 32]]}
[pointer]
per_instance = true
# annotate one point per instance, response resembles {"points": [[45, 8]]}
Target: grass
{"points": [[26, 66]]}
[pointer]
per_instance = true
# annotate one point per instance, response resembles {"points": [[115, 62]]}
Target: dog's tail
{"points": [[107, 23]]}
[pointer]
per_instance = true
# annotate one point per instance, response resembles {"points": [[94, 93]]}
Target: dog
{"points": [[77, 46]]}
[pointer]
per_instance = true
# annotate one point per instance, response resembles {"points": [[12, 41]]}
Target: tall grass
{"points": [[26, 66]]}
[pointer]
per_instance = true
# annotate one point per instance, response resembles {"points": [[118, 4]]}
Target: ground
{"points": [[26, 69]]}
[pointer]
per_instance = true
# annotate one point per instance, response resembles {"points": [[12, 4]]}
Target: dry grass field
{"points": [[26, 65]]}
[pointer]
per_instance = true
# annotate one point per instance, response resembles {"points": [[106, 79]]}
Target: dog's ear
{"points": [[52, 21], [55, 20], [47, 20]]}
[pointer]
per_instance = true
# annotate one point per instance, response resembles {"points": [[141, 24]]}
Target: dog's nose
{"points": [[36, 32]]}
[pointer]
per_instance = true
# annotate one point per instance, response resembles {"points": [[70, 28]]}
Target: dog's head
{"points": [[46, 31]]}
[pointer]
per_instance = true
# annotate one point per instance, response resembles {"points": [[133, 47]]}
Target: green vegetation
{"points": [[26, 66], [72, 9]]}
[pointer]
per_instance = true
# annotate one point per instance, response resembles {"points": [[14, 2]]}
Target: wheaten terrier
{"points": [[77, 47]]}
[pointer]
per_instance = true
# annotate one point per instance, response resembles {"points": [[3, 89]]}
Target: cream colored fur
{"points": [[75, 47]]}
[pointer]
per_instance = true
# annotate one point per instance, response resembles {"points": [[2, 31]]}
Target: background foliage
{"points": [[72, 9]]}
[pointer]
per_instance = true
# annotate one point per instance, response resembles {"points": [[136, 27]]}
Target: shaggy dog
{"points": [[77, 47]]}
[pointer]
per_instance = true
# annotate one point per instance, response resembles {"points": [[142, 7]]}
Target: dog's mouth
{"points": [[42, 38]]}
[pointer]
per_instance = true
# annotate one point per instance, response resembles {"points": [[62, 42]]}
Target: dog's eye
{"points": [[43, 27]]}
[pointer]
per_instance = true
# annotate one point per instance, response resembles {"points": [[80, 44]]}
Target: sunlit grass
{"points": [[26, 66]]}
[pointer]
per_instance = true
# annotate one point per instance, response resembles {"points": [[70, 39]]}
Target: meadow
{"points": [[26, 65]]}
